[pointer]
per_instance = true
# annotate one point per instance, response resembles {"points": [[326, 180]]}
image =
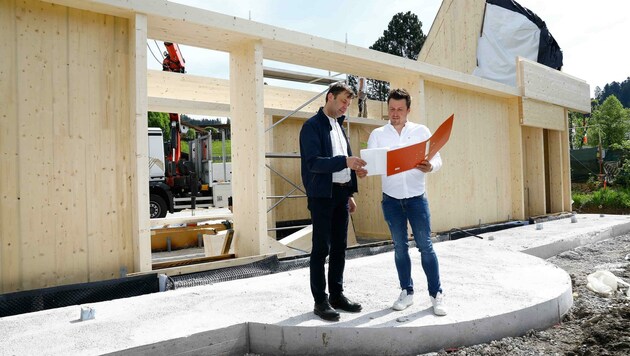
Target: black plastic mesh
{"points": [[74, 294], [455, 234], [263, 267]]}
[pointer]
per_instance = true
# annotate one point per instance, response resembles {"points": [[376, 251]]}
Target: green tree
{"points": [[159, 119], [578, 123], [620, 90], [353, 82], [403, 37], [611, 121]]}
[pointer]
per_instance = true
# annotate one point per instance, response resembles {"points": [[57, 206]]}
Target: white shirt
{"points": [[410, 183], [340, 148]]}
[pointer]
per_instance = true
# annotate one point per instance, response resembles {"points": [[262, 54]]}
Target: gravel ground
{"points": [[595, 325]]}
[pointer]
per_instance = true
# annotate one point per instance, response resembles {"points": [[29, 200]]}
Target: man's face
{"points": [[398, 111], [338, 105]]}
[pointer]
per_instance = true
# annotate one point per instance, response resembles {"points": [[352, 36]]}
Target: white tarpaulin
{"points": [[510, 31]]}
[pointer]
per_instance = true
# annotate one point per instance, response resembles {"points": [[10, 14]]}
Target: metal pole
{"points": [[223, 154], [296, 110]]}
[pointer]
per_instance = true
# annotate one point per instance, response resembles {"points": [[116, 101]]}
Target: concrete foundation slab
{"points": [[492, 290]]}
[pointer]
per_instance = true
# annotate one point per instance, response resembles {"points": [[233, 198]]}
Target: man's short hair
{"points": [[340, 87], [398, 94]]}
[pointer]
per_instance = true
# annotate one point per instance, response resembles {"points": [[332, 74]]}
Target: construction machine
{"points": [[177, 182]]}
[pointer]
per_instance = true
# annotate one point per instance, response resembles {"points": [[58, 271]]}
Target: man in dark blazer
{"points": [[329, 174]]}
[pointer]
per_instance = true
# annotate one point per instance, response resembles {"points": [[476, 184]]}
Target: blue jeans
{"points": [[415, 210]]}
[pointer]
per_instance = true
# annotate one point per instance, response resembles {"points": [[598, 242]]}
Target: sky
{"points": [[593, 35]]}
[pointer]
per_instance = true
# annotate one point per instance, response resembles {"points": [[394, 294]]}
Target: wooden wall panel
{"points": [[285, 138], [555, 169], [10, 245], [516, 161], [473, 185], [368, 219], [452, 40], [37, 124], [70, 195], [534, 171], [65, 137]]}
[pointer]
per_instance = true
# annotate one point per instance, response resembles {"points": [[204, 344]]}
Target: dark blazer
{"points": [[318, 164]]}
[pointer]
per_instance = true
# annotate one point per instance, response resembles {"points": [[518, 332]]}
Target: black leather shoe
{"points": [[325, 311], [343, 303]]}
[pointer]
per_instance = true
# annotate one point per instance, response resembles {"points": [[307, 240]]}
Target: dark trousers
{"points": [[330, 238]]}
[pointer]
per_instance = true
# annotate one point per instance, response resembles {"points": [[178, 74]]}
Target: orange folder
{"points": [[408, 157]]}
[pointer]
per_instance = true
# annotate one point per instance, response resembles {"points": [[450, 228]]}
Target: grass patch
{"points": [[217, 148], [610, 200]]}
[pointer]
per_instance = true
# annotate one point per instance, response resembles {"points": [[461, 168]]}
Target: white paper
{"points": [[376, 159]]}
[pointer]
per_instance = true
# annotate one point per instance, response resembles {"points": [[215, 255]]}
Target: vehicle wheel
{"points": [[157, 206]]}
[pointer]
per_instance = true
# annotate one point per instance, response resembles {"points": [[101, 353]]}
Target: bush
{"points": [[580, 199], [623, 177], [615, 201]]}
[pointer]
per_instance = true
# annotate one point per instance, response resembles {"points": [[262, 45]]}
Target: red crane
{"points": [[174, 62]]}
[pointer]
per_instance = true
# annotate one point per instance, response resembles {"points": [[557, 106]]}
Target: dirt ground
{"points": [[595, 325]]}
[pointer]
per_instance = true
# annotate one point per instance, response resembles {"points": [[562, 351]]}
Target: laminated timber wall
{"points": [[520, 144], [75, 91], [67, 203]]}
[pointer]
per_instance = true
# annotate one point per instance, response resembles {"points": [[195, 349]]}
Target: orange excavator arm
{"points": [[174, 62], [173, 59]]}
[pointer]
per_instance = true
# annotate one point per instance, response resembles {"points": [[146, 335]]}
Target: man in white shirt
{"points": [[404, 199]]}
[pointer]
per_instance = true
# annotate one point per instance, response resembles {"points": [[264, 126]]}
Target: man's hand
{"points": [[352, 206], [425, 166], [355, 163], [361, 172]]}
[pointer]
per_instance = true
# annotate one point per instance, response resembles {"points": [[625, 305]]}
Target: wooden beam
{"points": [[301, 240], [206, 29], [189, 107], [139, 107], [300, 77], [182, 24], [555, 171], [537, 81], [10, 237], [191, 261], [206, 266], [534, 172], [163, 222], [536, 113], [516, 161], [248, 161]]}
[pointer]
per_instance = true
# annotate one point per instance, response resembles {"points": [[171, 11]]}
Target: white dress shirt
{"points": [[340, 148], [410, 183]]}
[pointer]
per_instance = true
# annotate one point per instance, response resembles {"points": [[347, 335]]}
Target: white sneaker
{"points": [[404, 300], [439, 307]]}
